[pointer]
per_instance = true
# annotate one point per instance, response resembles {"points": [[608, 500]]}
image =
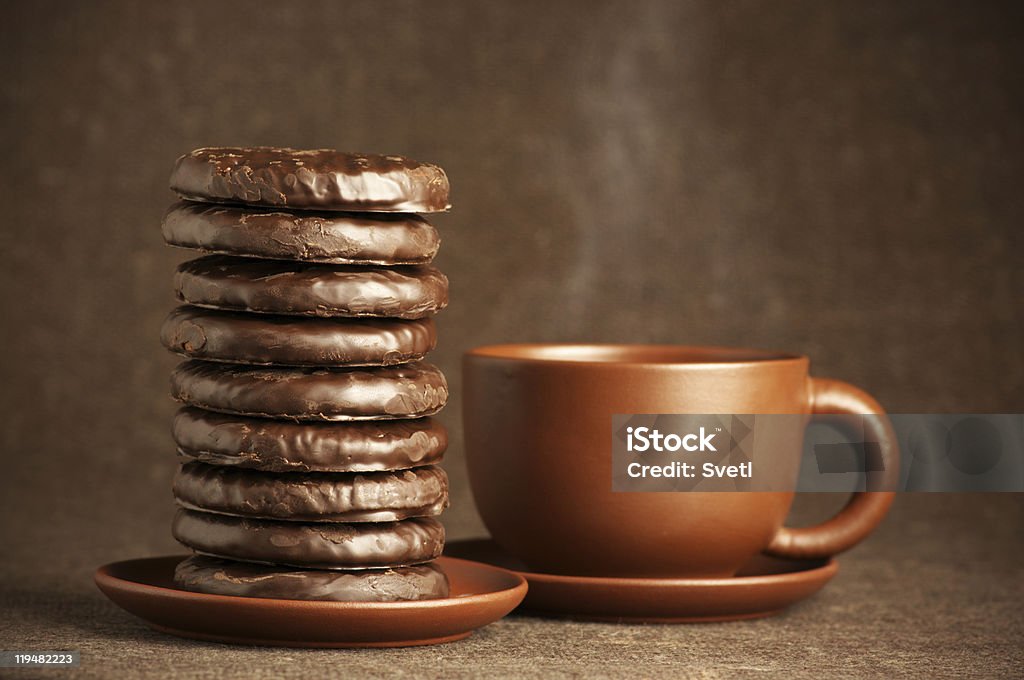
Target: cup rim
{"points": [[631, 354]]}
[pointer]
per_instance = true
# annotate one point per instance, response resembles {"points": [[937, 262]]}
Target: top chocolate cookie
{"points": [[319, 179]]}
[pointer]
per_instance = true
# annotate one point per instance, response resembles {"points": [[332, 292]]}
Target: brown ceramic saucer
{"points": [[764, 587], [480, 594]]}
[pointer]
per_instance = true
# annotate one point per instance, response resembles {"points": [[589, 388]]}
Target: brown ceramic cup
{"points": [[537, 424]]}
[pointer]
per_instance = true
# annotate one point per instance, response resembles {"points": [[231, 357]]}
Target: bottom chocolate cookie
{"points": [[224, 577], [316, 545]]}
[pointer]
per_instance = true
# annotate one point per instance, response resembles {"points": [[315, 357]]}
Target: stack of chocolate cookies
{"points": [[309, 455]]}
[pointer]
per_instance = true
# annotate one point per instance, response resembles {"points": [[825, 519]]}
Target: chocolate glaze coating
{"points": [[284, 446], [313, 496], [237, 337], [243, 579], [320, 179], [306, 289], [407, 391], [316, 545], [335, 238]]}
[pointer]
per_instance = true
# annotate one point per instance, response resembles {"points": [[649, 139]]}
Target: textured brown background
{"points": [[836, 178]]}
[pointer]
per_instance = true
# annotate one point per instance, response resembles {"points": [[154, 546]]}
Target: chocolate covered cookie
{"points": [[215, 576], [307, 289], [321, 545], [335, 238], [406, 391], [320, 179], [285, 446], [313, 496], [236, 337], [305, 437]]}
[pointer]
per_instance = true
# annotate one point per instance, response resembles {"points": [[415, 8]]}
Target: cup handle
{"points": [[865, 509]]}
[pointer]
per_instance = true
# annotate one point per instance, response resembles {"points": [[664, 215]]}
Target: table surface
{"points": [[937, 591]]}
